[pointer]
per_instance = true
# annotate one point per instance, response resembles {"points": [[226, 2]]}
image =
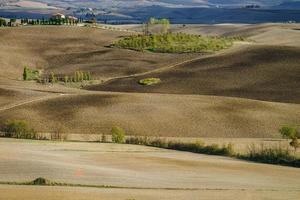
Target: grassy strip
{"points": [[278, 155], [45, 182]]}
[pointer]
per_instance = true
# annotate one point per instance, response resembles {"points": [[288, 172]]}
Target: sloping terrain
{"points": [[257, 72], [157, 115], [67, 49], [143, 172]]}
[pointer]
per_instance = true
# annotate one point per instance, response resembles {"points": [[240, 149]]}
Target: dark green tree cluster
{"points": [[11, 22], [175, 43], [51, 21], [78, 76], [18, 129], [30, 74], [3, 22]]}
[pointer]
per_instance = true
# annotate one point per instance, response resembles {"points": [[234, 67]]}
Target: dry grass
{"points": [[136, 167]]}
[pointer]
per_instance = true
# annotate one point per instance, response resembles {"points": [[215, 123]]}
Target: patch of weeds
{"points": [[149, 81]]}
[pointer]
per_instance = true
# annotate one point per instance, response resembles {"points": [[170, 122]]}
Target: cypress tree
{"points": [[26, 74]]}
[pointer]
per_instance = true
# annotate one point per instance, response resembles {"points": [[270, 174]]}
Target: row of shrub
{"points": [[271, 155], [18, 129], [79, 76], [175, 43], [51, 21], [196, 147]]}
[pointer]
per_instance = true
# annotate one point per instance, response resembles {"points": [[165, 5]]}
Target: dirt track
{"points": [[141, 167]]}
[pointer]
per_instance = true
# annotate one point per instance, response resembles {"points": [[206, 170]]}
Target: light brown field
{"points": [[152, 172], [157, 115], [256, 71], [242, 95]]}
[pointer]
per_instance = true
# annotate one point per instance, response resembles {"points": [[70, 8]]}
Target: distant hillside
{"points": [[179, 11], [288, 5], [117, 4], [215, 15]]}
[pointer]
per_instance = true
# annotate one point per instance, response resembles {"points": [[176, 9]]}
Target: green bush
{"points": [[40, 181], [295, 143], [3, 22], [149, 81], [19, 129], [289, 132], [118, 135], [30, 74]]}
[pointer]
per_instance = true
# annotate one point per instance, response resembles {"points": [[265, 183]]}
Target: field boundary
{"points": [[58, 184]]}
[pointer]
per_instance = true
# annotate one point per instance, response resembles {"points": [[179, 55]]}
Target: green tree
{"points": [[26, 74], [295, 143], [288, 132], [19, 129], [89, 76], [118, 134], [66, 79], [2, 22]]}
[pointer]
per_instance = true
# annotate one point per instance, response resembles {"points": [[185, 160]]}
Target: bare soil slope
{"points": [[67, 49], [269, 73], [256, 71], [161, 115]]}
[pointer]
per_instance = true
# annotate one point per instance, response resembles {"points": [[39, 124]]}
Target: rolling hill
{"points": [[191, 102]]}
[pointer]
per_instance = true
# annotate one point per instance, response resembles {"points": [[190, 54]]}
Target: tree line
{"points": [[43, 21], [9, 22], [51, 21], [37, 75]]}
